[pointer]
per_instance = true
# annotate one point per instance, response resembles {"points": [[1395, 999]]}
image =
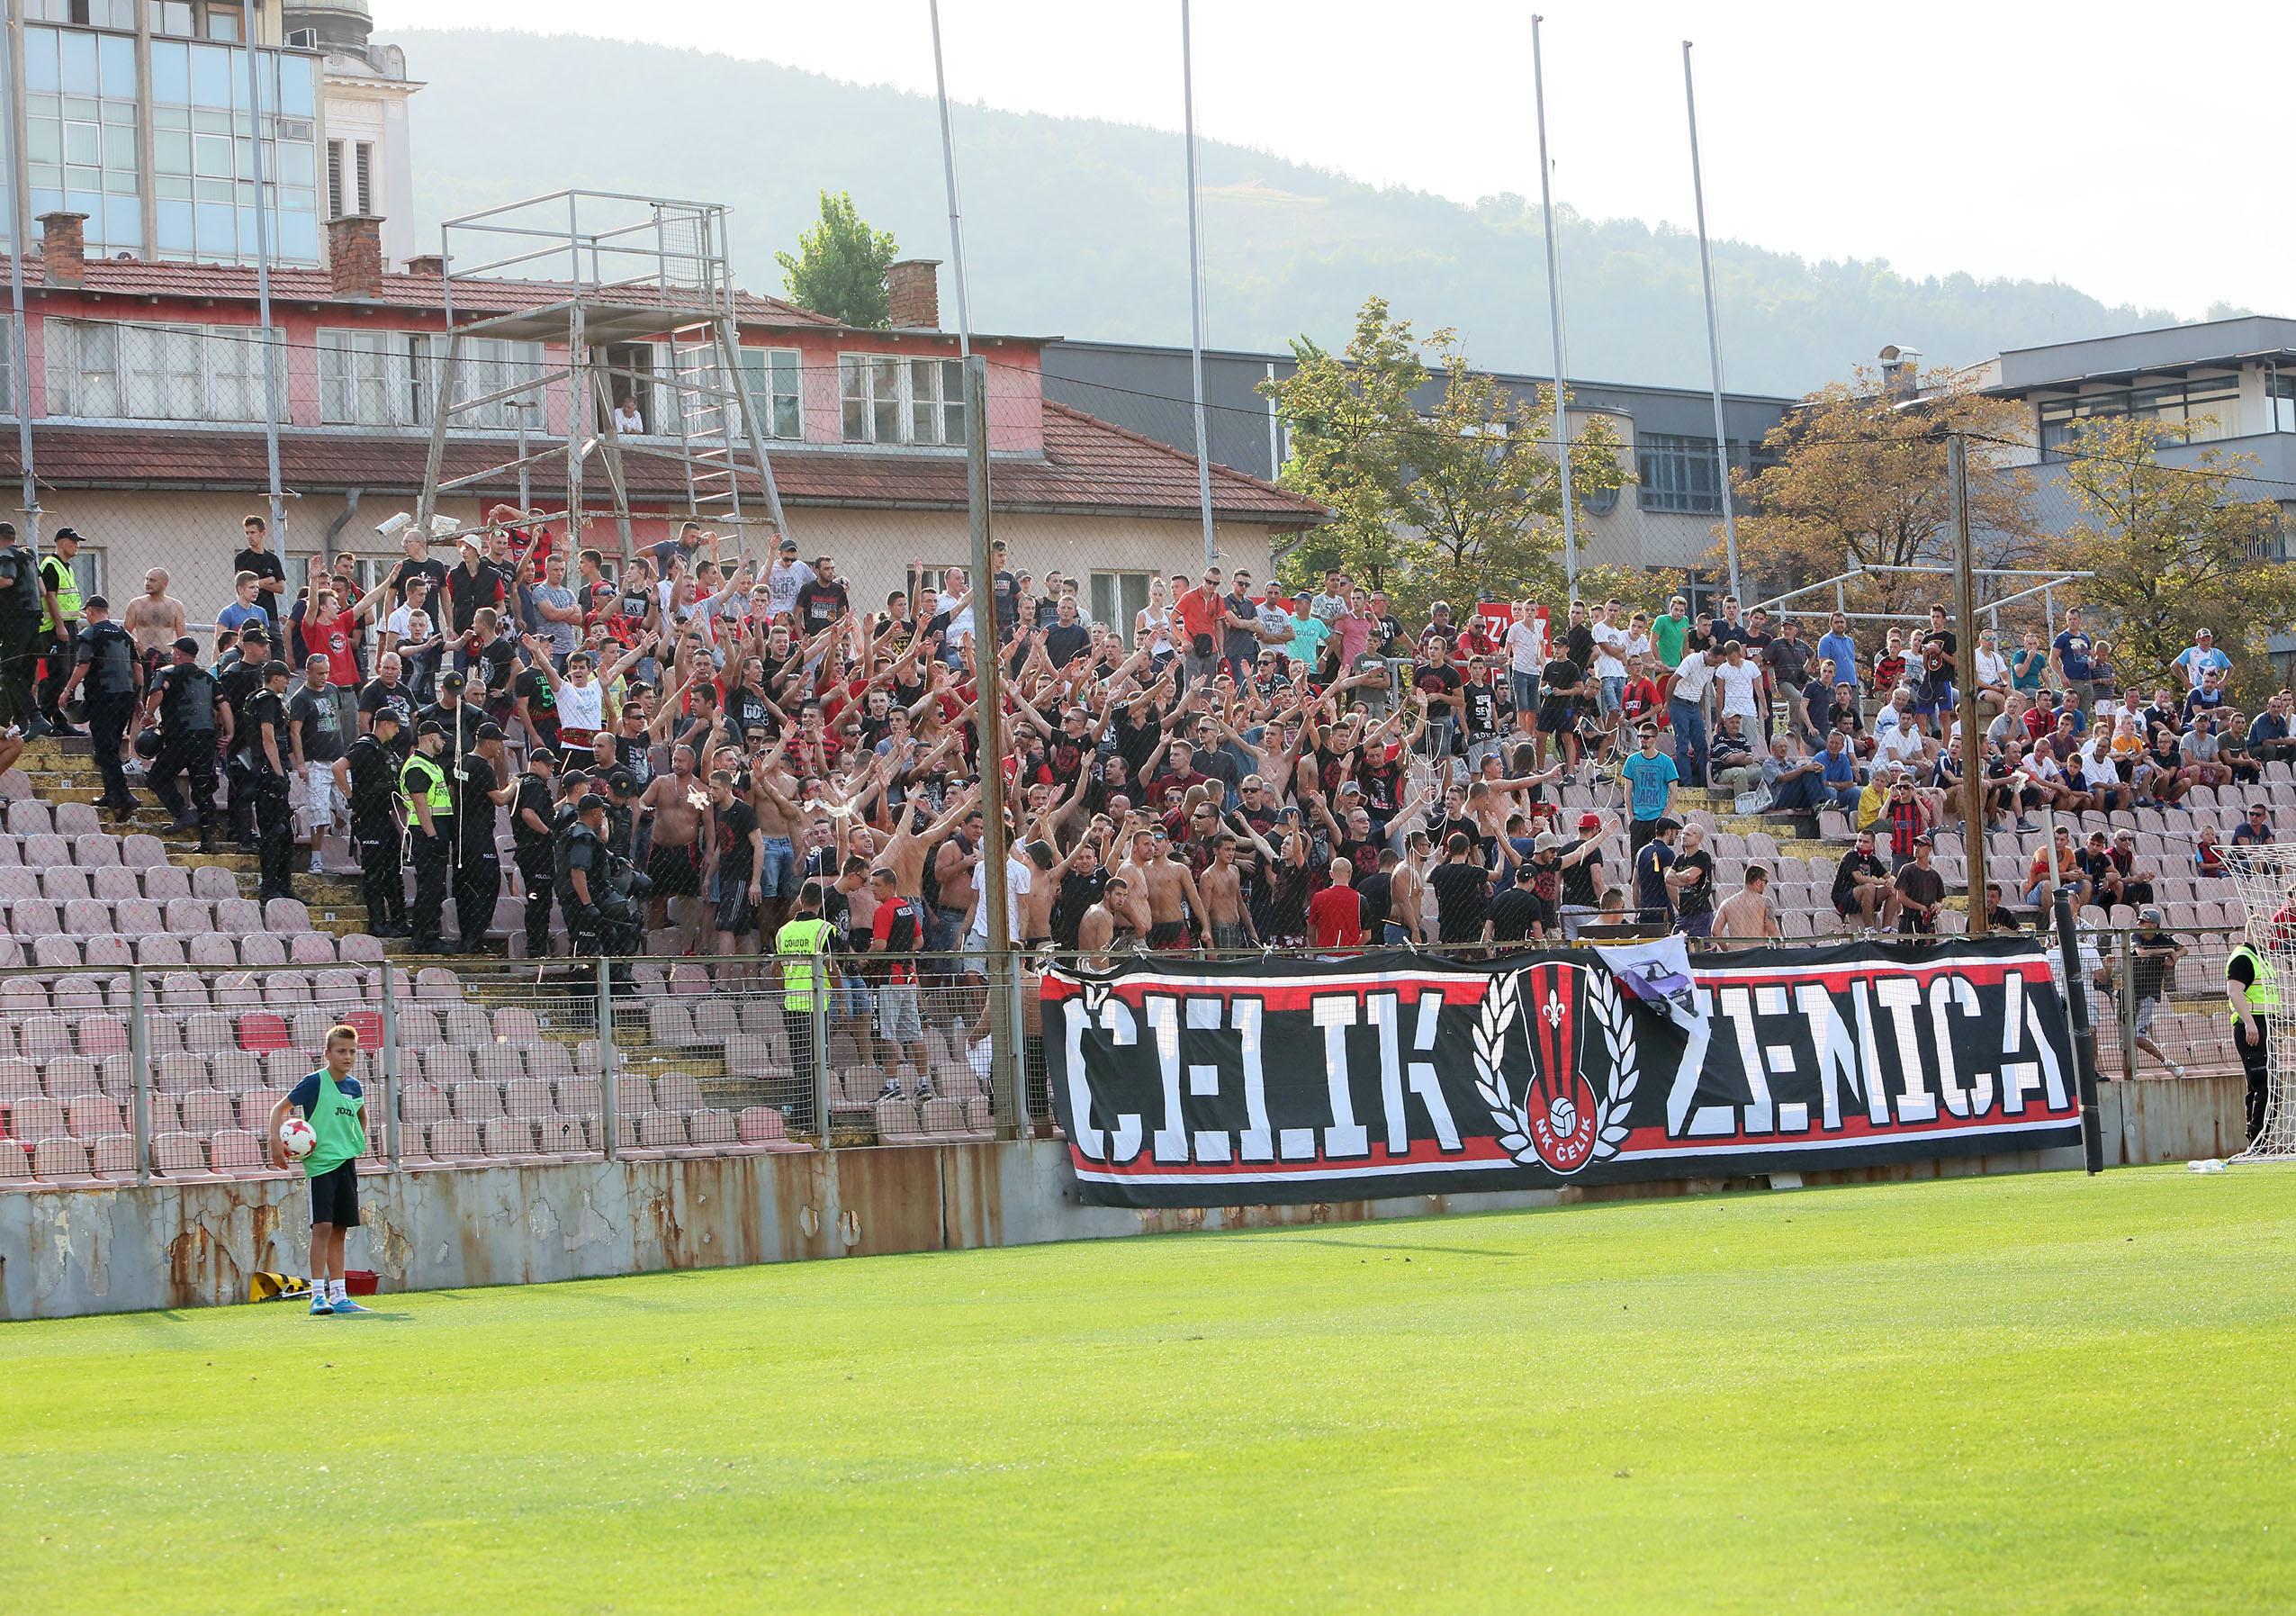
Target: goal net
{"points": [[2265, 876]]}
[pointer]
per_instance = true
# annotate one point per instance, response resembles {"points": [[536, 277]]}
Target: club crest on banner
{"points": [[1541, 1088]]}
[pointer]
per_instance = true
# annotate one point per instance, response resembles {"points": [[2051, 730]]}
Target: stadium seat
{"points": [[92, 1115], [508, 1136], [62, 883], [235, 916], [102, 1036], [500, 1063], [61, 1161], [162, 882], [311, 948], [56, 954], [468, 1027], [662, 1130], [762, 1125], [212, 949], [677, 1091], [44, 1037], [15, 1161], [179, 1155], [447, 1064], [29, 816], [69, 1076], [186, 916], [94, 849], [142, 850], [214, 883], [669, 1025], [477, 1102], [454, 1140], [237, 1151]]}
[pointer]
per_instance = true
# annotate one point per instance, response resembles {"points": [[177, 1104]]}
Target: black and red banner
{"points": [[1228, 1083]]}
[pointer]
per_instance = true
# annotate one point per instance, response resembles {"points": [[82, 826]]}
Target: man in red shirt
{"points": [[896, 929], [327, 633], [1201, 611], [1335, 913]]}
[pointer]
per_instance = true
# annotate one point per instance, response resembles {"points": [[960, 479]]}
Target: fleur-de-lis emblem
{"points": [[1552, 1010]]}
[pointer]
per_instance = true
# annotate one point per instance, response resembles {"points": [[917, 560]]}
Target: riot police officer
{"points": [[20, 611], [429, 797], [235, 686], [582, 867], [478, 882], [367, 776], [532, 842], [183, 697], [269, 751], [108, 674]]}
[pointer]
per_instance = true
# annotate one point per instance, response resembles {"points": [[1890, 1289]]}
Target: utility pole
{"points": [[1554, 320], [1008, 1084], [1714, 328], [1965, 684]]}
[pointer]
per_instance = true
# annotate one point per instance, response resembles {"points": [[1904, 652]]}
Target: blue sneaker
{"points": [[347, 1305], [318, 1307]]}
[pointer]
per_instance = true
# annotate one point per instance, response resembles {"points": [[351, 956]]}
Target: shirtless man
{"points": [[954, 886], [1103, 927], [1223, 895], [674, 866], [154, 619], [1748, 914], [781, 819], [1036, 903], [904, 851], [1407, 906], [1170, 886]]}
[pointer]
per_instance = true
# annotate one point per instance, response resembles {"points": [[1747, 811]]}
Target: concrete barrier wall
{"points": [[194, 1244]]}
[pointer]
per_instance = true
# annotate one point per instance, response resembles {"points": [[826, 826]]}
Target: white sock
{"points": [[334, 1291]]}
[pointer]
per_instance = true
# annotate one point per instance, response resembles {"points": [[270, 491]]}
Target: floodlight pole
{"points": [[1195, 289], [1965, 684], [19, 218], [988, 729], [1714, 329], [1554, 320], [263, 278], [948, 174]]}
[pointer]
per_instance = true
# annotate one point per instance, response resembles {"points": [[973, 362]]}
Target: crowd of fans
{"points": [[686, 741]]}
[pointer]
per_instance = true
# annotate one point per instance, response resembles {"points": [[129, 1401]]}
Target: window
{"points": [[1678, 473], [1601, 502], [1118, 597], [334, 179], [365, 174], [80, 129], [486, 365], [84, 14], [2282, 400], [367, 378], [172, 17], [771, 378], [204, 155], [7, 368], [889, 399], [2210, 405], [109, 370]]}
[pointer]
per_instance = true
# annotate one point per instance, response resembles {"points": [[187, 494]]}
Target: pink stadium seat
{"points": [[236, 916], [94, 849], [896, 1121], [525, 1097], [632, 1094], [36, 1117], [714, 1128], [138, 916], [212, 949], [550, 1062], [142, 851], [469, 1027], [237, 1151], [181, 1072], [184, 991], [69, 1076], [19, 1078], [158, 950], [93, 1114], [367, 1025], [454, 1140], [677, 1091], [286, 915], [261, 1032], [516, 1024], [206, 1110], [186, 916], [690, 980], [30, 817], [418, 1027], [113, 883], [497, 1063], [163, 1034], [112, 953], [361, 949], [310, 1026], [286, 990], [56, 954], [41, 851], [15, 1161], [31, 917], [311, 948], [209, 1031], [421, 1104], [44, 1037], [478, 1101], [669, 1023], [232, 1070], [179, 1155], [439, 983], [163, 882], [508, 1136], [102, 1036], [236, 990], [62, 883], [662, 1130], [715, 1020], [61, 1162], [78, 819], [260, 951], [761, 1124], [86, 916], [17, 883], [214, 883], [284, 1068], [255, 1108]]}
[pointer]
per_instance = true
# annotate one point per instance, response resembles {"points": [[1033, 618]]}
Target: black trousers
{"points": [[433, 860], [276, 831], [379, 878], [19, 666], [193, 753], [56, 645], [242, 807], [2255, 1061], [476, 886], [535, 872], [107, 722]]}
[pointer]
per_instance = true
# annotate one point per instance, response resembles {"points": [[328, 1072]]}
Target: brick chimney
{"points": [[355, 255], [913, 291], [429, 263], [63, 248]]}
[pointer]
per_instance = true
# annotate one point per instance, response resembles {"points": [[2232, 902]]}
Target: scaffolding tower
{"points": [[610, 277]]}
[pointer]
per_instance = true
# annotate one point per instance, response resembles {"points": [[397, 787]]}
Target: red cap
{"points": [[1588, 821], [1394, 750]]}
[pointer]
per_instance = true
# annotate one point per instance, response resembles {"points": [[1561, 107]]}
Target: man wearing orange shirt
{"points": [[1201, 611]]}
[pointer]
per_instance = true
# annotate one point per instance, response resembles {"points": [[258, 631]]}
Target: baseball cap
{"points": [[489, 732], [1667, 823], [432, 728], [96, 603], [386, 714], [277, 670], [450, 681], [590, 802], [620, 780], [1925, 840], [2151, 912], [254, 632], [1588, 821], [190, 646], [71, 533]]}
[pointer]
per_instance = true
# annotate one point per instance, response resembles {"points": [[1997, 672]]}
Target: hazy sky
{"points": [[2112, 148]]}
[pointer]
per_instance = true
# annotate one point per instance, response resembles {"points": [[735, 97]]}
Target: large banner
{"points": [[1194, 1084]]}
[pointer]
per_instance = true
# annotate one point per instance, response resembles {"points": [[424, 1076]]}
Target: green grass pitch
{"points": [[2031, 1393]]}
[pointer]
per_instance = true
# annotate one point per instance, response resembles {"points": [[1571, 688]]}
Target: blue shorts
{"points": [[777, 875], [1614, 693], [1930, 701]]}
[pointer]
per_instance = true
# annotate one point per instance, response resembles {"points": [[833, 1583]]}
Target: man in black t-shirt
{"points": [[315, 726], [259, 558], [478, 880], [1581, 861], [1462, 893], [735, 891], [1920, 891], [1862, 888], [535, 699], [823, 599], [271, 751], [1653, 875], [1514, 911], [1693, 884], [532, 809], [418, 564]]}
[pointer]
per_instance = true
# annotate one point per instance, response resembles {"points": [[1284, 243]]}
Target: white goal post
{"points": [[2265, 875]]}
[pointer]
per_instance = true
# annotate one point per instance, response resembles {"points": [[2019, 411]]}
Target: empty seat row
{"points": [[90, 850], [30, 914], [61, 883], [259, 950], [185, 991]]}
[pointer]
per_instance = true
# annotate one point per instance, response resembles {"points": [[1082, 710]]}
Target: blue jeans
{"points": [[1689, 722], [1527, 695], [775, 875]]}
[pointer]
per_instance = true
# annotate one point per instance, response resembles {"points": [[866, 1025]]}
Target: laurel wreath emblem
{"points": [[1501, 1005]]}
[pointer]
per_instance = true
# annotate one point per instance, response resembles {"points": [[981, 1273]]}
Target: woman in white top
{"points": [[1152, 624]]}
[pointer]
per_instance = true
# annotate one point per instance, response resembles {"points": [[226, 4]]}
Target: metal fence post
{"points": [[2127, 979], [393, 1114], [140, 1067], [606, 1056], [818, 1019]]}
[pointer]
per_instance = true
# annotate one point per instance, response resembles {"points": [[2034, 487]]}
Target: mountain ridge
{"points": [[1290, 248]]}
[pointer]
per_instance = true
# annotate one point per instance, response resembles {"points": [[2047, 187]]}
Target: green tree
{"points": [[1461, 497], [839, 269], [1856, 480], [2173, 549]]}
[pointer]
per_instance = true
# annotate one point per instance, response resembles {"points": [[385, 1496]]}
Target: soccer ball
{"points": [[1562, 1114], [297, 1139]]}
